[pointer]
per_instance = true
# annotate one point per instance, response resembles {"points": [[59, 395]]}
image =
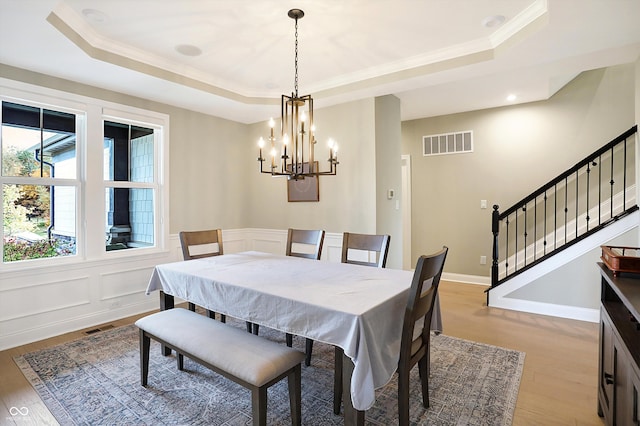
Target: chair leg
{"points": [[192, 307], [223, 318], [308, 350], [403, 398], [249, 326], [289, 339], [145, 344], [259, 406], [295, 395], [256, 329], [423, 366], [211, 314]]}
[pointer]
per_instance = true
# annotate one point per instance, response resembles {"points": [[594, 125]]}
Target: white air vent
{"points": [[448, 143]]}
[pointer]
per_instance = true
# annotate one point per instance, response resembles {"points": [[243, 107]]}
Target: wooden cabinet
{"points": [[619, 375]]}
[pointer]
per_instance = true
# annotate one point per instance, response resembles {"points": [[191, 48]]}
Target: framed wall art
{"points": [[307, 189]]}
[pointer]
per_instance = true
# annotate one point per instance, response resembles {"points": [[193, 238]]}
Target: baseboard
{"points": [[562, 311], [467, 279]]}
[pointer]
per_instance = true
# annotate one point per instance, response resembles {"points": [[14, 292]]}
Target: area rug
{"points": [[96, 381]]}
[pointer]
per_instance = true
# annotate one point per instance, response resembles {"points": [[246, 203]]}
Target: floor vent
{"points": [[97, 330]]}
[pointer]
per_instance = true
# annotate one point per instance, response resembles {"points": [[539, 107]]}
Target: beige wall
{"points": [[347, 200], [214, 179], [203, 154], [215, 182], [355, 200], [388, 167], [516, 150]]}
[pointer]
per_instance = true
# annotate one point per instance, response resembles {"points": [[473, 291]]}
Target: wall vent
{"points": [[447, 143]]}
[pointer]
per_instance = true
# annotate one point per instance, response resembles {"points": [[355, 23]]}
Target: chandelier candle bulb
{"points": [[260, 146], [273, 145]]}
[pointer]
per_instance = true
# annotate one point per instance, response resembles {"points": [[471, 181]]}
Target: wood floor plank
{"points": [[558, 385]]}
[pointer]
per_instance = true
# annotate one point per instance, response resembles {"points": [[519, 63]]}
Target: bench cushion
{"points": [[246, 356]]}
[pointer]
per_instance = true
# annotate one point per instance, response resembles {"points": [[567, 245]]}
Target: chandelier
{"points": [[293, 155]]}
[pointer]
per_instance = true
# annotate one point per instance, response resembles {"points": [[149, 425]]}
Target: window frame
{"points": [[89, 183]]}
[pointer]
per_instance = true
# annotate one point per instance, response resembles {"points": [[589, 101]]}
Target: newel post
{"points": [[495, 229]]}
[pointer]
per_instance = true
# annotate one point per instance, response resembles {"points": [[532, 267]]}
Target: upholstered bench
{"points": [[247, 359]]}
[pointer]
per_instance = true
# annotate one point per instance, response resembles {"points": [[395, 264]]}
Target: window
{"points": [[130, 175], [39, 185], [61, 165]]}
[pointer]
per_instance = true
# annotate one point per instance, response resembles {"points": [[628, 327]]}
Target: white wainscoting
{"points": [[37, 303]]}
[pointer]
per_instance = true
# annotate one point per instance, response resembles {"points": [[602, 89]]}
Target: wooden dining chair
{"points": [[306, 243], [199, 244], [365, 243], [312, 239], [416, 334], [296, 239], [415, 343]]}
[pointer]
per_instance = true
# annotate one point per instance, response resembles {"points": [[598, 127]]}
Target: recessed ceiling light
{"points": [[188, 50], [94, 15], [493, 21], [511, 98]]}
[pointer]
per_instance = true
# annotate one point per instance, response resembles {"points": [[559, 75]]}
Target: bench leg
{"points": [[145, 343], [295, 395], [259, 406]]}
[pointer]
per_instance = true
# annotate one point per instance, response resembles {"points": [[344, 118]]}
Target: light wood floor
{"points": [[558, 386]]}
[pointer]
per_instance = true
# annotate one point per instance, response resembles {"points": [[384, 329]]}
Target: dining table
{"points": [[357, 309]]}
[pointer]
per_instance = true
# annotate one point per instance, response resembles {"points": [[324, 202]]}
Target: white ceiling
{"points": [[437, 56]]}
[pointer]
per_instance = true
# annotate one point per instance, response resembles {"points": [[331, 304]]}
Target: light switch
{"points": [[483, 204]]}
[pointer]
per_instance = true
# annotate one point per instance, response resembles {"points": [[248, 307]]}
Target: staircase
{"points": [[570, 209]]}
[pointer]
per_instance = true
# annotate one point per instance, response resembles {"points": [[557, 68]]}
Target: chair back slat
{"points": [[199, 244], [367, 243]]}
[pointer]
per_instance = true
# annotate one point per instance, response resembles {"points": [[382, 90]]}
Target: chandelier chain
{"points": [[296, 60]]}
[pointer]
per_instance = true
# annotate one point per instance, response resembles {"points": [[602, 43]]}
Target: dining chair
{"points": [[416, 329], [365, 243], [305, 243], [200, 244], [416, 334], [312, 239]]}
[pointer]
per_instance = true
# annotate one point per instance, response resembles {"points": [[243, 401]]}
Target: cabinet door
{"points": [[606, 367], [622, 402], [634, 395]]}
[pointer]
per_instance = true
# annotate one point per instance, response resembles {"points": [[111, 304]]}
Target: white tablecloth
{"points": [[357, 308]]}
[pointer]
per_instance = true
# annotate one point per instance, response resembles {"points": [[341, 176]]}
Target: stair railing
{"points": [[595, 192]]}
